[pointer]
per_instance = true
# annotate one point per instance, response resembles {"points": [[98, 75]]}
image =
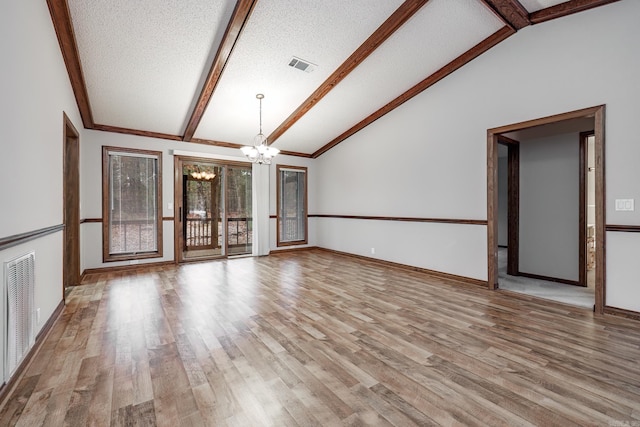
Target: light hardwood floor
{"points": [[315, 338]]}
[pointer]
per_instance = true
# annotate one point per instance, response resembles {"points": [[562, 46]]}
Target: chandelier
{"points": [[203, 175], [260, 152]]}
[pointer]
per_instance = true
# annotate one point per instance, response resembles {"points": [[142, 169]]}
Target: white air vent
{"points": [[301, 64], [19, 288]]}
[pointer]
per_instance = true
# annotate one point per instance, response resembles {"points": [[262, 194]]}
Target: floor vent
{"points": [[19, 334]]}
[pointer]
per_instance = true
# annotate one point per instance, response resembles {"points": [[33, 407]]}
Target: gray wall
{"points": [[549, 206]]}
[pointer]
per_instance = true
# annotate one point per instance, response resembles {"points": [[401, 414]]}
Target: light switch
{"points": [[624, 205], [170, 206]]}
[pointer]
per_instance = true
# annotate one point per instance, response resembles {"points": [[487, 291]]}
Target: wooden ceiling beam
{"points": [[460, 61], [61, 18], [390, 26], [512, 12], [566, 8], [137, 132], [236, 24]]}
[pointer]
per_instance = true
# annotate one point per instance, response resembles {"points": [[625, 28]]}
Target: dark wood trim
{"points": [[18, 239], [407, 219], [82, 221], [386, 30], [116, 268], [564, 9], [305, 241], [623, 228], [238, 146], [582, 208], [288, 250], [513, 201], [167, 218], [601, 211], [443, 72], [8, 387], [61, 18], [549, 278], [452, 277], [585, 112], [598, 113], [621, 312], [70, 204], [137, 132], [513, 261], [236, 24], [106, 256], [511, 12], [492, 210]]}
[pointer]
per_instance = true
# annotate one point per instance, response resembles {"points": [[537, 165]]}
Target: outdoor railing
{"points": [[199, 231]]}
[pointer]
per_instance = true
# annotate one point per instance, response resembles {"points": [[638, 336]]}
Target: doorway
{"points": [[71, 206], [213, 209], [495, 140]]}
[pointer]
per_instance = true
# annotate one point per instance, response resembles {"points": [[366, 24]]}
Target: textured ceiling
{"points": [[143, 61], [445, 28], [183, 69], [322, 32], [535, 5]]}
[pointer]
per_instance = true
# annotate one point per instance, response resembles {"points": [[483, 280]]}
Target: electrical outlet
{"points": [[373, 251], [38, 316]]}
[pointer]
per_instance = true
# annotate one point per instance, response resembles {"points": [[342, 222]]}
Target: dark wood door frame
{"points": [[71, 205], [513, 202], [583, 208], [598, 114]]}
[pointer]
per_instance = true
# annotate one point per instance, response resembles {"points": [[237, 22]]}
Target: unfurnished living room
{"points": [[320, 213]]}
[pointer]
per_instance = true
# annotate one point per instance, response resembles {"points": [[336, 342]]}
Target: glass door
{"points": [[213, 202], [239, 220], [203, 213]]}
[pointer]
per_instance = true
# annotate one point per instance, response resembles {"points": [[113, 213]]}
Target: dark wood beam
{"points": [[510, 11], [137, 132], [461, 60], [238, 20], [390, 26], [232, 145], [61, 18], [566, 8]]}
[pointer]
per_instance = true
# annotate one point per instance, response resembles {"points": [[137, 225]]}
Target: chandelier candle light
{"points": [[260, 152]]}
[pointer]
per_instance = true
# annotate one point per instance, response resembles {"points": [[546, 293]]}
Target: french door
{"points": [[212, 209]]}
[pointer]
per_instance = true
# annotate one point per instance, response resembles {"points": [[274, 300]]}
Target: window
{"points": [[292, 205], [131, 204]]}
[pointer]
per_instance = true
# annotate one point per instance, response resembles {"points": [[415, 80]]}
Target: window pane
{"points": [[239, 208], [292, 205], [133, 199]]}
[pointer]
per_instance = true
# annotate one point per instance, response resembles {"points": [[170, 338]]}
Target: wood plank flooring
{"points": [[315, 338]]}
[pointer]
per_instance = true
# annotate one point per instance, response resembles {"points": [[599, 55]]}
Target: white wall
{"points": [[550, 206], [35, 91], [432, 158]]}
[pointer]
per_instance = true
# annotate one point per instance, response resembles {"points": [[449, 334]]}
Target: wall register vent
{"points": [[19, 289]]}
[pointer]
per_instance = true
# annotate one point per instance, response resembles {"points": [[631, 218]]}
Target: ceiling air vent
{"points": [[301, 64]]}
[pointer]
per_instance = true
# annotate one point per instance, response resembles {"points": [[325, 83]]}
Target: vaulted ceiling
{"points": [[189, 70]]}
